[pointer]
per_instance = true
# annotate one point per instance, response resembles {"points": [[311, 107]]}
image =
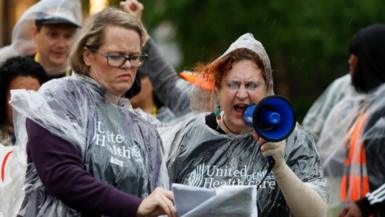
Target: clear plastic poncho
{"points": [[200, 156], [336, 137], [173, 91], [22, 42], [13, 164], [319, 111], [77, 110]]}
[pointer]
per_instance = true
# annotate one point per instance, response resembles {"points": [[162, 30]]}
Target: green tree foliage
{"points": [[307, 40]]}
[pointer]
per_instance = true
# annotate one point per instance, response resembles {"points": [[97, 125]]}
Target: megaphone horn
{"points": [[272, 118]]}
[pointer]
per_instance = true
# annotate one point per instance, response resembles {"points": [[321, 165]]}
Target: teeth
{"points": [[240, 105]]}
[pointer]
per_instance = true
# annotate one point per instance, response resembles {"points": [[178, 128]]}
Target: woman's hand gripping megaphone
{"points": [[274, 152]]}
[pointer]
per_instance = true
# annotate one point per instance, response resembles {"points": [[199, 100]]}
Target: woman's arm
{"points": [[300, 197], [173, 91], [302, 200], [60, 168]]}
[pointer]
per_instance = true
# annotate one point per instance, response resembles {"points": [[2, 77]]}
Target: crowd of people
{"points": [[98, 123]]}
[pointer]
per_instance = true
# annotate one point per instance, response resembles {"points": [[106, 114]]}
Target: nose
{"points": [[242, 92], [62, 42], [126, 64]]}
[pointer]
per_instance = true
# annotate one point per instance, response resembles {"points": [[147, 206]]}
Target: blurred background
{"points": [[307, 40]]}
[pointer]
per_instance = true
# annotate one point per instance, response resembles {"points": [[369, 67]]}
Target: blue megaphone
{"points": [[272, 118]]}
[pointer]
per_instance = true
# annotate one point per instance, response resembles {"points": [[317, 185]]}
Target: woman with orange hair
{"points": [[217, 148]]}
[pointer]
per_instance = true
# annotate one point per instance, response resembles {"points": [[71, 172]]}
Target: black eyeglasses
{"points": [[117, 60]]}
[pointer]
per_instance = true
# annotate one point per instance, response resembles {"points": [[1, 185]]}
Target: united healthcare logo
{"points": [[115, 144], [211, 176]]}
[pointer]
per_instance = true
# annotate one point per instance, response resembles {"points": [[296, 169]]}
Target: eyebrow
{"points": [[122, 53], [247, 81]]}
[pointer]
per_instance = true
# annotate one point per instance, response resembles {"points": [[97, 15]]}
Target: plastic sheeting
{"points": [[76, 109], [319, 111], [12, 176], [202, 157], [173, 91], [22, 42], [337, 133]]}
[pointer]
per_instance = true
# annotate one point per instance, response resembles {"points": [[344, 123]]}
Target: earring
{"points": [[217, 111]]}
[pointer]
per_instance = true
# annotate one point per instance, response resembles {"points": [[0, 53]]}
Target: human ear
{"points": [[353, 60], [87, 56], [35, 32]]}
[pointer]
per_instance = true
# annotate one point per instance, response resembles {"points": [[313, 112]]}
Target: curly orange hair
{"points": [[212, 73]]}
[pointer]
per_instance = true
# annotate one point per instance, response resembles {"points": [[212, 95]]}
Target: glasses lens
{"points": [[115, 60], [138, 60], [135, 61], [119, 60]]}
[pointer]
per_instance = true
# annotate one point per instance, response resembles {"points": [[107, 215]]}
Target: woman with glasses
{"points": [[88, 153], [217, 148]]}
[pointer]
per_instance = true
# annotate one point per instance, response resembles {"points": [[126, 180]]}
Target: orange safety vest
{"points": [[355, 182]]}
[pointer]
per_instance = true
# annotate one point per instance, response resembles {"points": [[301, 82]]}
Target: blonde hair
{"points": [[93, 34]]}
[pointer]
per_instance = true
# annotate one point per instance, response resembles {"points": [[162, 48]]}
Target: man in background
{"points": [[46, 31]]}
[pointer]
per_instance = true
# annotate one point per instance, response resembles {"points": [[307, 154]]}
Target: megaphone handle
{"points": [[271, 161]]}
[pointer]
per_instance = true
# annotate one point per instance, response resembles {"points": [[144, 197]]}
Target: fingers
{"points": [[351, 211], [166, 199], [269, 147], [168, 206], [170, 195], [138, 5], [159, 202], [124, 5], [131, 6], [276, 151], [343, 212], [259, 139]]}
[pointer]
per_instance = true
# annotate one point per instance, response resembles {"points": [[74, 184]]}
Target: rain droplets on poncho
{"points": [[337, 133], [352, 141], [201, 156], [117, 146]]}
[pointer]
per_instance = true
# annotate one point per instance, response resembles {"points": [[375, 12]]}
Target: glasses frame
{"points": [[141, 57]]}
